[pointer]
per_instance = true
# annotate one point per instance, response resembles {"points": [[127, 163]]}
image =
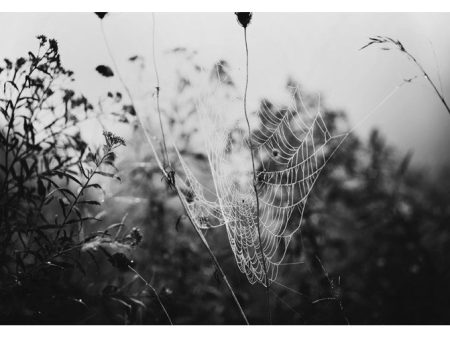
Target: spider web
{"points": [[292, 147]]}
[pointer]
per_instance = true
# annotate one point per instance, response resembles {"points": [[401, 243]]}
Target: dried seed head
{"points": [[113, 140], [244, 18], [101, 15]]}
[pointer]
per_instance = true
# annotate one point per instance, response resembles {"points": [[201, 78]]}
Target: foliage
{"points": [[371, 249], [50, 193]]}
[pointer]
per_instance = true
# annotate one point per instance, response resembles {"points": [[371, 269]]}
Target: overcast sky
{"points": [[320, 50]]}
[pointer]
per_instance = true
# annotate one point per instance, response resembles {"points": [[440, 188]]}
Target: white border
{"points": [[225, 5], [225, 331]]}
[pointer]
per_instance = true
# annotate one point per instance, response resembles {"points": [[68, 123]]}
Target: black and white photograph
{"points": [[198, 168]]}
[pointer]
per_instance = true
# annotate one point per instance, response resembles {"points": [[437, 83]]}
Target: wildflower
{"points": [[53, 45], [112, 140], [42, 39], [134, 238]]}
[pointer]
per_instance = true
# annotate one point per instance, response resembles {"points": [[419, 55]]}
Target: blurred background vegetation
{"points": [[374, 242]]}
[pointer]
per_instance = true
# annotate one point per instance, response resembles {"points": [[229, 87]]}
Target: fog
{"points": [[320, 50]]}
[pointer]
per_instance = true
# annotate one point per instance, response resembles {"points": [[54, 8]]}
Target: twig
{"points": [[83, 188], [402, 49], [323, 299], [437, 66], [173, 181], [255, 188], [216, 262], [154, 291], [164, 152], [113, 60], [425, 74], [335, 298]]}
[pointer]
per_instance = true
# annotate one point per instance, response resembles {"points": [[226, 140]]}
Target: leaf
{"points": [[91, 202], [90, 157], [110, 158], [61, 265], [79, 301], [137, 302], [127, 307], [105, 71], [82, 171], [48, 200], [91, 255], [44, 70], [63, 191], [95, 186], [94, 243], [367, 45], [63, 205], [103, 173], [65, 174], [24, 164], [129, 109], [179, 223], [120, 261], [13, 84], [109, 175], [78, 212], [115, 225], [83, 219], [101, 15], [41, 188]]}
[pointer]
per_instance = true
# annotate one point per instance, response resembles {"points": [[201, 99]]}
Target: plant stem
{"points": [[8, 165], [154, 291], [332, 291], [255, 182], [113, 60], [13, 111], [206, 245], [180, 196], [97, 165], [165, 153], [425, 74]]}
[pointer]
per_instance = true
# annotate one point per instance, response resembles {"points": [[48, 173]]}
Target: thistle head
{"points": [[244, 18]]}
